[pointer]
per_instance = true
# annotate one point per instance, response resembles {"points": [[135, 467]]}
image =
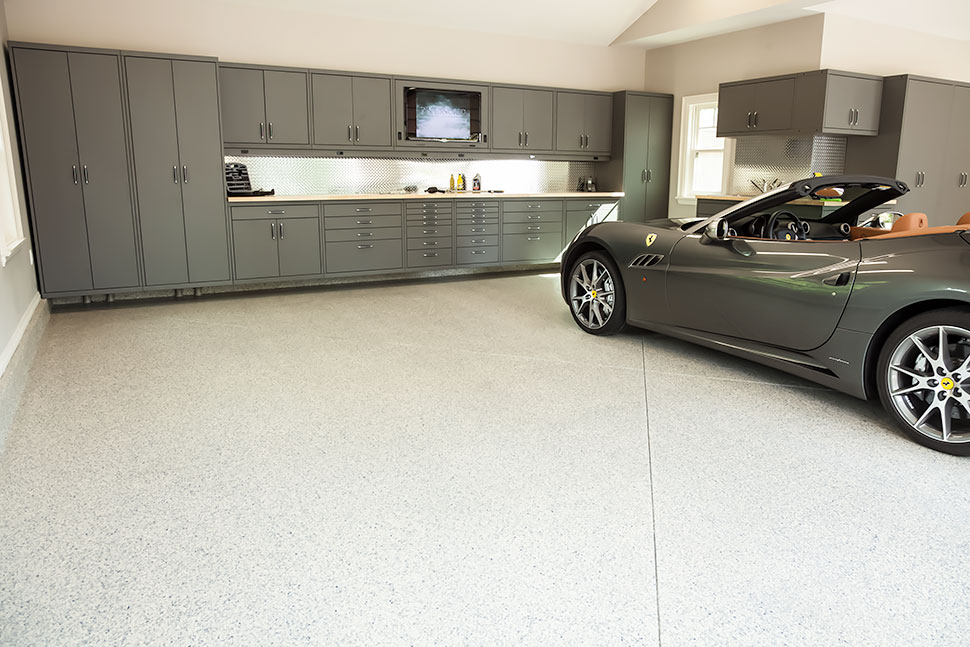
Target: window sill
{"points": [[13, 251], [687, 200]]}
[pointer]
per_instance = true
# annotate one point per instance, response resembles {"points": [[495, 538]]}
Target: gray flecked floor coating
{"points": [[455, 463]]}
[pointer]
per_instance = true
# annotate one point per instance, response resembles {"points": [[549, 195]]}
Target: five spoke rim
{"points": [[929, 378], [592, 293]]}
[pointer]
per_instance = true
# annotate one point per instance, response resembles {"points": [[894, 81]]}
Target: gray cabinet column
{"points": [[636, 141], [656, 204]]}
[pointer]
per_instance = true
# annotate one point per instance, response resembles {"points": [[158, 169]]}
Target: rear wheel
{"points": [[923, 376], [596, 298]]}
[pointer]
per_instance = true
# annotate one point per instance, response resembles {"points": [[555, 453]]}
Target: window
{"points": [[11, 232], [704, 157]]}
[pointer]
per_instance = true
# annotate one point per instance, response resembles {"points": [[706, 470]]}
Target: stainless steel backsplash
{"points": [[766, 157], [353, 175]]}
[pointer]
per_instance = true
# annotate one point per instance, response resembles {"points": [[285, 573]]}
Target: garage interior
{"points": [[385, 428]]}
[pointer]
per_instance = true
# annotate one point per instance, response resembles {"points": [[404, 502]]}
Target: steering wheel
{"points": [[795, 230]]}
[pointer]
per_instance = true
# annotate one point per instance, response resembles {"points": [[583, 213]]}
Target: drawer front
{"points": [[417, 205], [378, 233], [362, 257], [477, 204], [421, 231], [282, 211], [531, 227], [362, 222], [587, 205], [531, 247], [474, 230], [477, 210], [531, 206], [472, 255], [429, 211], [429, 243], [478, 241], [478, 221], [429, 258], [442, 218], [363, 208], [533, 217]]}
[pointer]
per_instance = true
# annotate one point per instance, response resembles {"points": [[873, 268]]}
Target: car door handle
{"points": [[838, 280]]}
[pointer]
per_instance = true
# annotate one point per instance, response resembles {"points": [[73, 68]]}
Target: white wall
{"points": [[18, 287], [699, 66], [249, 33]]}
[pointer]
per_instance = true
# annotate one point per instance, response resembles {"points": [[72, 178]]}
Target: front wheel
{"points": [[923, 376], [596, 298]]}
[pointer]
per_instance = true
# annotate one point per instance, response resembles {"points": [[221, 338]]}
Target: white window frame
{"points": [[12, 237], [686, 162]]}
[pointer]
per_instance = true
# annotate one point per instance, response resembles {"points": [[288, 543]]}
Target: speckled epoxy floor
{"points": [[454, 463]]}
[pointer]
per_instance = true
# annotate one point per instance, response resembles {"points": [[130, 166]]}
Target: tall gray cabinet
{"points": [[640, 166], [174, 111], [924, 130], [72, 120]]}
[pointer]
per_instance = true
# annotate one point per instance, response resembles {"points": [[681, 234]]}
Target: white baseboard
{"points": [[18, 334]]}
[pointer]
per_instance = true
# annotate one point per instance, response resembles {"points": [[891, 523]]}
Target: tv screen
{"points": [[443, 114]]}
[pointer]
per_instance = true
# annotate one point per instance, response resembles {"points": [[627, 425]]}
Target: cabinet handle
{"points": [[535, 206], [533, 228], [478, 241], [185, 174], [478, 230], [430, 211], [754, 118], [534, 238], [363, 209], [175, 174], [649, 175], [431, 255], [534, 217], [365, 222], [74, 172], [580, 140], [748, 122], [429, 231], [350, 134], [357, 129], [430, 243], [587, 141], [272, 230], [261, 130], [276, 212], [364, 234], [643, 177], [857, 116], [281, 230], [271, 130], [364, 246], [527, 139], [85, 171], [478, 251], [520, 138], [851, 115]]}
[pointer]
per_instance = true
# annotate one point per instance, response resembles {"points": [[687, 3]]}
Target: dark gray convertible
{"points": [[878, 309]]}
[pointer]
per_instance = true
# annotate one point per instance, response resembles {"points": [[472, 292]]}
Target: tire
{"points": [[598, 306], [928, 395]]}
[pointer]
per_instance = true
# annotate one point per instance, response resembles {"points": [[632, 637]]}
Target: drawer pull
{"points": [[478, 251], [480, 230], [535, 217], [363, 209], [478, 241], [534, 238], [535, 206], [478, 222], [430, 211], [276, 212], [364, 246], [534, 228], [431, 255], [430, 243], [365, 222], [362, 234], [429, 231]]}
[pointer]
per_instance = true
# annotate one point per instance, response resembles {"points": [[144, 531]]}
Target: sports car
{"points": [[877, 309]]}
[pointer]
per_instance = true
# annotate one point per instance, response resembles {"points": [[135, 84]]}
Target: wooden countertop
{"points": [[466, 195]]}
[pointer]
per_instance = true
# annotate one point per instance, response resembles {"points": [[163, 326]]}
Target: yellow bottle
{"points": [[451, 183]]}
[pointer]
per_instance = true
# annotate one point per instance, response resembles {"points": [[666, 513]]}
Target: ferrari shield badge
{"points": [[650, 239]]}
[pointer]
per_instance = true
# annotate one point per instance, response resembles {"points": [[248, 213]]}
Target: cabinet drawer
{"points": [[531, 247], [587, 205], [555, 216], [362, 257], [478, 221], [363, 208], [429, 243], [473, 230], [439, 217], [419, 231], [417, 205], [378, 233], [477, 204], [470, 255], [282, 211], [478, 241], [362, 222], [465, 210], [428, 258], [425, 211], [532, 205], [531, 227]]}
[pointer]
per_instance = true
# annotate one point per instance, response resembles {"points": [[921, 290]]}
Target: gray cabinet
{"points": [[275, 247], [754, 107], [264, 106], [531, 230], [76, 159], [843, 103], [583, 122], [522, 119], [640, 166], [173, 107], [956, 176], [351, 111]]}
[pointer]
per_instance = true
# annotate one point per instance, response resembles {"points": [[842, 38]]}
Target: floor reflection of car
{"points": [[866, 301]]}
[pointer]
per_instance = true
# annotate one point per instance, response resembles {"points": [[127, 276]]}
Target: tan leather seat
{"points": [[911, 223], [964, 219]]}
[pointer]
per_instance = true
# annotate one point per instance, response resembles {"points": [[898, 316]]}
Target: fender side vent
{"points": [[646, 260]]}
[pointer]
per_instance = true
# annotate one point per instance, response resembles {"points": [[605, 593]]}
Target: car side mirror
{"points": [[716, 230]]}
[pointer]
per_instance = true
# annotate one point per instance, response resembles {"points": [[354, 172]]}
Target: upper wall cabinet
{"points": [[522, 119], [351, 111], [264, 106], [755, 107], [584, 122]]}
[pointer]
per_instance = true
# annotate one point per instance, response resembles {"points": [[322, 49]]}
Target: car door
{"points": [[784, 293]]}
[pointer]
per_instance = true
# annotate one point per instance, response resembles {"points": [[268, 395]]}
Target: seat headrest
{"points": [[964, 219], [910, 222]]}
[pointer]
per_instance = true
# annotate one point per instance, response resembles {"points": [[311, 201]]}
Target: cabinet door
{"points": [[735, 103], [287, 120], [658, 158], [203, 179], [333, 110], [537, 119], [956, 198], [773, 103], [599, 122], [868, 105], [636, 141], [151, 106], [299, 245], [99, 118], [923, 136], [44, 92], [372, 111], [243, 107], [255, 249], [507, 118], [570, 121]]}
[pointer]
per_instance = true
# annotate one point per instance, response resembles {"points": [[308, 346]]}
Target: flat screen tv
{"points": [[443, 115]]}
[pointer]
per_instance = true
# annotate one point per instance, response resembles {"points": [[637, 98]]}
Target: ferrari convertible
{"points": [[863, 300]]}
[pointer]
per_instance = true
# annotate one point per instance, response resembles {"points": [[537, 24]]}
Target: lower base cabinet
{"points": [[367, 256], [270, 248], [430, 258], [531, 247]]}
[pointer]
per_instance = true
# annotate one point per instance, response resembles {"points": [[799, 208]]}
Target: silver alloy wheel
{"points": [[591, 293], [929, 382]]}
